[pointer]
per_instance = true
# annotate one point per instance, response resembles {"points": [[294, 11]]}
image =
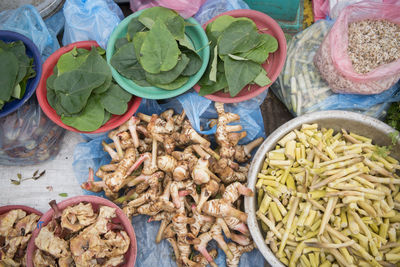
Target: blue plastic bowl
{"points": [[32, 52]]}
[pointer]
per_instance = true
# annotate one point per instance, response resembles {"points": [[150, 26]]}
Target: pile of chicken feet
{"points": [[168, 171]]}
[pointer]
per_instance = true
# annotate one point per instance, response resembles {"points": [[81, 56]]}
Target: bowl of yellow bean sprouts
{"points": [[327, 192]]}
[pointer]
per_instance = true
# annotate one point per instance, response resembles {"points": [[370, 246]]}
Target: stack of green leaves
{"points": [[156, 51], [82, 91], [16, 68], [237, 51]]}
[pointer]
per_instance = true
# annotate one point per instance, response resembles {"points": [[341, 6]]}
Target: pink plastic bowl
{"points": [[130, 256], [41, 92], [27, 209], [274, 64]]}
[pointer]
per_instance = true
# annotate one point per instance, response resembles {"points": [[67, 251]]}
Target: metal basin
{"points": [[354, 122], [46, 8]]}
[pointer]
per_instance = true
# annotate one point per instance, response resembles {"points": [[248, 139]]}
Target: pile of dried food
{"points": [[81, 236], [170, 172], [328, 199], [16, 228]]}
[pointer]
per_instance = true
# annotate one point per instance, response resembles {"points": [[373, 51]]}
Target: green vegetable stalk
{"points": [[16, 68], [237, 52], [156, 51]]}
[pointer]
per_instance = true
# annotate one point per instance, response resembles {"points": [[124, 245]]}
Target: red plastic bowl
{"points": [[41, 92], [274, 64], [130, 255]]}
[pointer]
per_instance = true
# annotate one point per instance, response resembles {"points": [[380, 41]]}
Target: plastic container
{"points": [[33, 52], [199, 40], [115, 121], [130, 255], [277, 9], [336, 119], [273, 66]]}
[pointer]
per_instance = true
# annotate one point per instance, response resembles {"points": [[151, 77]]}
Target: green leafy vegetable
{"points": [[156, 51], [166, 77], [138, 42], [126, 62], [84, 95], [75, 87], [240, 73], [8, 73], [134, 27], [63, 195], [16, 68], [70, 61], [90, 119], [159, 51], [171, 19], [96, 64], [181, 80], [115, 100], [239, 36], [194, 64], [260, 54], [262, 78], [120, 42], [237, 52]]}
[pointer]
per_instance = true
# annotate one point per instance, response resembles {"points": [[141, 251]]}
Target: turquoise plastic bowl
{"points": [[199, 40]]}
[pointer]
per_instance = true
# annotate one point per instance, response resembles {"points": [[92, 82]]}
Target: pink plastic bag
{"points": [[334, 63], [320, 9], [186, 8]]}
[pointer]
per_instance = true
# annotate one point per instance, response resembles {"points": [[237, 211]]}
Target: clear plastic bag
{"points": [[198, 109], [211, 8], [334, 63], [27, 21], [301, 88], [90, 20], [186, 8], [336, 6], [28, 137]]}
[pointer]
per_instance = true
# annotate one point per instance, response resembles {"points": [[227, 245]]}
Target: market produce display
{"points": [[82, 92], [80, 235], [373, 43], [156, 51], [327, 198], [237, 50], [16, 68], [359, 54], [16, 228], [169, 172]]}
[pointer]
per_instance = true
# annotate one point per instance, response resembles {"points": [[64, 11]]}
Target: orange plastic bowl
{"points": [[274, 64], [130, 255], [41, 92]]}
